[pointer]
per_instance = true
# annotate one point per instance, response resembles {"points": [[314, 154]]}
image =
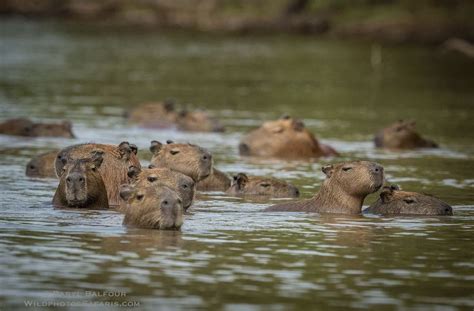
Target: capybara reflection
{"points": [[285, 138], [81, 185], [42, 165], [343, 191], [165, 115], [243, 185], [182, 184], [394, 201], [28, 128], [152, 208], [402, 135], [114, 170], [191, 160], [217, 181]]}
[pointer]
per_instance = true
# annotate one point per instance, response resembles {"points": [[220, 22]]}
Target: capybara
{"points": [[198, 121], [114, 170], [394, 201], [191, 160], [217, 181], [182, 184], [81, 185], [285, 138], [152, 208], [243, 185], [28, 128], [154, 114], [42, 165], [343, 191], [402, 135]]}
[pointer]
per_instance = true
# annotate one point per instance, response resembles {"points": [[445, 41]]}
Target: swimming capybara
{"points": [[394, 201], [154, 114], [114, 170], [217, 181], [243, 185], [402, 135], [182, 184], [285, 138], [165, 115], [28, 128], [343, 191], [81, 185], [198, 121], [191, 160], [152, 208], [42, 165]]}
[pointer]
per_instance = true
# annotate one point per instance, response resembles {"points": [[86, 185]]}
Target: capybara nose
{"points": [[75, 178], [244, 149], [295, 192], [446, 210], [377, 168], [207, 157]]}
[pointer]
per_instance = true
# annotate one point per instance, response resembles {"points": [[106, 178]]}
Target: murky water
{"points": [[230, 255]]}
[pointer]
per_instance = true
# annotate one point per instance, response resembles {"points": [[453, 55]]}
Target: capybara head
{"points": [[198, 121], [63, 129], [402, 135], [261, 186], [17, 127], [154, 114], [356, 178], [283, 138], [42, 165], [152, 207], [81, 184], [182, 184], [191, 160], [394, 201]]}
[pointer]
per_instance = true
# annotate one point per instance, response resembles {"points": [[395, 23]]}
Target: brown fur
{"points": [[152, 208], [393, 201], [343, 191], [243, 185], [117, 160], [28, 128], [402, 135], [154, 115], [182, 184], [198, 121], [188, 159], [217, 181], [285, 138], [88, 191], [42, 165]]}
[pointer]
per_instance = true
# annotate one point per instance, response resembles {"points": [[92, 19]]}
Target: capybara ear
{"points": [[133, 172], [126, 192], [387, 194], [395, 187], [97, 158], [151, 166], [155, 146], [169, 104], [169, 141], [298, 125], [240, 179], [134, 148], [125, 150], [328, 170], [285, 117]]}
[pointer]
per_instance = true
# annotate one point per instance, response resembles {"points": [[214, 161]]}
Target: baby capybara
{"points": [[152, 208], [191, 160], [217, 181], [394, 201], [244, 185], [81, 185], [28, 128], [343, 191], [402, 135], [42, 165], [286, 138], [182, 184], [114, 170]]}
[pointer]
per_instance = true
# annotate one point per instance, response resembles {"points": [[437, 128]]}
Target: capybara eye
{"points": [[265, 185], [346, 169], [173, 152], [185, 186], [165, 202], [409, 201], [32, 167], [140, 196], [151, 178]]}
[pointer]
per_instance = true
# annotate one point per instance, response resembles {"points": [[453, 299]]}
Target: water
{"points": [[229, 255]]}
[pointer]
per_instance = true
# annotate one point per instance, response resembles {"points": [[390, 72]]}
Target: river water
{"points": [[229, 255]]}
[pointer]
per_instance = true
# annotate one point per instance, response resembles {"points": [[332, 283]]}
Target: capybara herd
{"points": [[104, 176]]}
